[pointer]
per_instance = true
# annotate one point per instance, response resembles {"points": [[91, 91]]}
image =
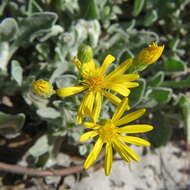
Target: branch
{"points": [[37, 172]]}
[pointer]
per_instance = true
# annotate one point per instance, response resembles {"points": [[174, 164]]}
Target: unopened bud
{"points": [[150, 54], [43, 88], [85, 53]]}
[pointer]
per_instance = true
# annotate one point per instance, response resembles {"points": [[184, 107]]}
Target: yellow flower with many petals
{"points": [[43, 88], [113, 136], [96, 84], [150, 54]]}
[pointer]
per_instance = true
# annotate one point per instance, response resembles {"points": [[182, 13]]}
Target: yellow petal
{"points": [[108, 159], [122, 153], [88, 135], [107, 61], [138, 128], [130, 77], [121, 89], [124, 149], [88, 68], [131, 84], [82, 111], [120, 69], [121, 108], [114, 99], [94, 154], [88, 105], [68, 91], [97, 107], [134, 140], [130, 117], [89, 125], [123, 78]]}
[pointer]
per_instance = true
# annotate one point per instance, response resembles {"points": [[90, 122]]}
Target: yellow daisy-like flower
{"points": [[113, 136], [97, 83], [43, 88], [150, 54]]}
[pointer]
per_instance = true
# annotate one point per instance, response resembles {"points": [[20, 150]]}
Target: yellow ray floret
{"points": [[96, 84], [112, 135]]}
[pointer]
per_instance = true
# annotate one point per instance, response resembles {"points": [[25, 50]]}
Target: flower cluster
{"points": [[96, 83]]}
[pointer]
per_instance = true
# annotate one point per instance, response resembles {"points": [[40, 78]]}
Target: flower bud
{"points": [[85, 53], [150, 54], [146, 57], [43, 88]]}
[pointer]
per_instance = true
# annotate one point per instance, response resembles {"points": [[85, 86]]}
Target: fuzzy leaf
{"points": [[185, 110], [161, 95], [36, 23], [89, 9], [137, 93], [48, 113], [137, 7], [173, 65], [177, 84], [150, 18], [16, 72], [40, 147], [157, 79], [8, 29], [162, 130], [11, 124]]}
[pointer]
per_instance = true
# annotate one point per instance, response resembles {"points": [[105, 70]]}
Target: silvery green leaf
{"points": [[36, 24], [172, 66], [94, 32], [54, 31], [83, 149], [89, 9], [161, 95], [4, 55], [157, 79], [48, 113], [150, 18], [66, 80], [137, 7], [177, 84], [40, 147], [33, 6], [137, 93], [16, 72], [8, 29], [125, 54], [184, 104], [81, 30], [11, 124], [56, 75], [2, 7]]}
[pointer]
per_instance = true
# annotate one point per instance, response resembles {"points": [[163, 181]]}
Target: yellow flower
{"points": [[150, 54], [97, 83], [112, 136], [43, 88]]}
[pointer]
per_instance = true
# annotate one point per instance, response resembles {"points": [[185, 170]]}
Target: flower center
{"points": [[95, 82], [108, 131]]}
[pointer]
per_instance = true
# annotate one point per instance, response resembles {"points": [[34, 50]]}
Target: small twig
{"points": [[37, 172]]}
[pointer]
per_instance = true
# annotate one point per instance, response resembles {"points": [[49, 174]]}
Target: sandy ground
{"points": [[162, 169]]}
